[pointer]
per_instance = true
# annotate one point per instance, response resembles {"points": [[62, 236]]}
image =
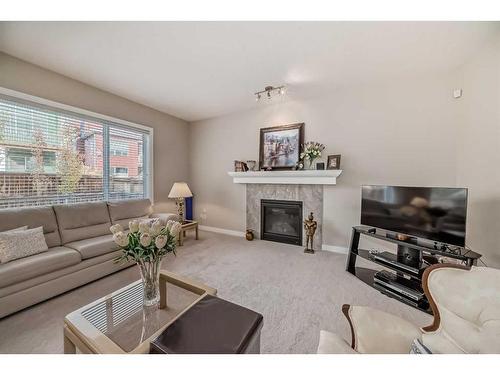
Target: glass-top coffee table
{"points": [[119, 323]]}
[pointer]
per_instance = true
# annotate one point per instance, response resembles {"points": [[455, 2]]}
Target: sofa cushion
{"points": [[82, 220], [121, 212], [92, 247], [21, 243], [33, 217], [80, 268], [25, 268]]}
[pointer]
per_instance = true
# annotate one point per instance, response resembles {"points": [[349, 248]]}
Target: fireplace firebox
{"points": [[281, 221]]}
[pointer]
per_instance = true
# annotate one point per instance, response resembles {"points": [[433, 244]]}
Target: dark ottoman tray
{"points": [[212, 326]]}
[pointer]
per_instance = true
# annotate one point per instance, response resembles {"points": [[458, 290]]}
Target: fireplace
{"points": [[281, 221]]}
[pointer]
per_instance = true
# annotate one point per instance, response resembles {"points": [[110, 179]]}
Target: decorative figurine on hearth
{"points": [[310, 225]]}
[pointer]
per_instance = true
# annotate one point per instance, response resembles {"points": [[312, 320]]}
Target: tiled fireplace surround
{"points": [[310, 195]]}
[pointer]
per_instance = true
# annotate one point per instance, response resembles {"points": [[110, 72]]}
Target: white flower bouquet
{"points": [[311, 151], [147, 243]]}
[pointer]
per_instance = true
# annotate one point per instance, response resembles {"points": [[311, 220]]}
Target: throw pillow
{"points": [[22, 243], [15, 229]]}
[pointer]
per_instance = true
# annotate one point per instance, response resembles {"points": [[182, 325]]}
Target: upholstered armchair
{"points": [[466, 307]]}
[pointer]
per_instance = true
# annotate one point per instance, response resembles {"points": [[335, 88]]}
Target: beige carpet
{"points": [[298, 294]]}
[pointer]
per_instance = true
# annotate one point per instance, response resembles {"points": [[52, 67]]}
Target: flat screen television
{"points": [[432, 213]]}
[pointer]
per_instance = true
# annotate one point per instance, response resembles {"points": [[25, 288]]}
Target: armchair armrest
{"points": [[377, 332]]}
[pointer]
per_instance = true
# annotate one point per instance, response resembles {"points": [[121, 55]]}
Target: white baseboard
{"points": [[222, 231], [335, 249], [229, 232]]}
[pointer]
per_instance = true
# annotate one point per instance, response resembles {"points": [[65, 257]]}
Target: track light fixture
{"points": [[269, 92]]}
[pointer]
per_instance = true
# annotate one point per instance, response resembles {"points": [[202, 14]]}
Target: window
{"points": [[126, 179], [17, 160], [25, 160], [119, 171], [50, 155], [118, 147]]}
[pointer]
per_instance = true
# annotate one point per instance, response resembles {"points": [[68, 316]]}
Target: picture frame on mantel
{"points": [[279, 147], [333, 162]]}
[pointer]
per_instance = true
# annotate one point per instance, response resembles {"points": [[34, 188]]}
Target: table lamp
{"points": [[179, 191]]}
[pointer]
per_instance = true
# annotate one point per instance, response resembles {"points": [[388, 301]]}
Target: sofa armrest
{"points": [[377, 332], [165, 216], [330, 343]]}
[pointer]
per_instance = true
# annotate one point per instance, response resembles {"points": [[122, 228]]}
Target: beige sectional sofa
{"points": [[81, 248]]}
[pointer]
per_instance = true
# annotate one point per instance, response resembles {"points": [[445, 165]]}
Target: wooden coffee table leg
{"points": [[196, 231]]}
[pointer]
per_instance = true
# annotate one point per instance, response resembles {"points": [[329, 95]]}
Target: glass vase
{"points": [[309, 164], [150, 273], [151, 321]]}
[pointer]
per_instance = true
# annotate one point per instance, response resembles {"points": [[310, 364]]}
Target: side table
{"points": [[187, 225]]}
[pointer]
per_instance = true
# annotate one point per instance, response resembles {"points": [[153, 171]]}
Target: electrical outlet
{"points": [[203, 215]]}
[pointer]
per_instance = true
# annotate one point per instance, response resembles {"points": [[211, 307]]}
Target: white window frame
{"points": [[148, 163]]}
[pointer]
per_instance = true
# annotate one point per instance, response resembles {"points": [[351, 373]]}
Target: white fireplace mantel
{"points": [[305, 177]]}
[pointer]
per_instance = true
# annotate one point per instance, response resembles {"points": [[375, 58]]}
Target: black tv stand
{"points": [[406, 254], [406, 266]]}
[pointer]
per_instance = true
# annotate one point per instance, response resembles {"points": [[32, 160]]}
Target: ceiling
{"points": [[199, 70]]}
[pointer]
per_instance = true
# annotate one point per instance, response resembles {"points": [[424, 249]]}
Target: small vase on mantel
{"points": [[310, 152], [309, 164]]}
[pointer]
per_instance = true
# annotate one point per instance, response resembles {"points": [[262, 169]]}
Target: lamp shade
{"points": [[180, 190]]}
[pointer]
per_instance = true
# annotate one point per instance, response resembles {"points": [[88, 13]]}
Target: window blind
{"points": [[51, 156]]}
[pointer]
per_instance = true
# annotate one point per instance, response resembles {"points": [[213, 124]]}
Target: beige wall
{"points": [[170, 133], [406, 132], [478, 159], [400, 133]]}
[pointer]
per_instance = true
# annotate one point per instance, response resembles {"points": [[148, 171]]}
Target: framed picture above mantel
{"points": [[280, 146]]}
